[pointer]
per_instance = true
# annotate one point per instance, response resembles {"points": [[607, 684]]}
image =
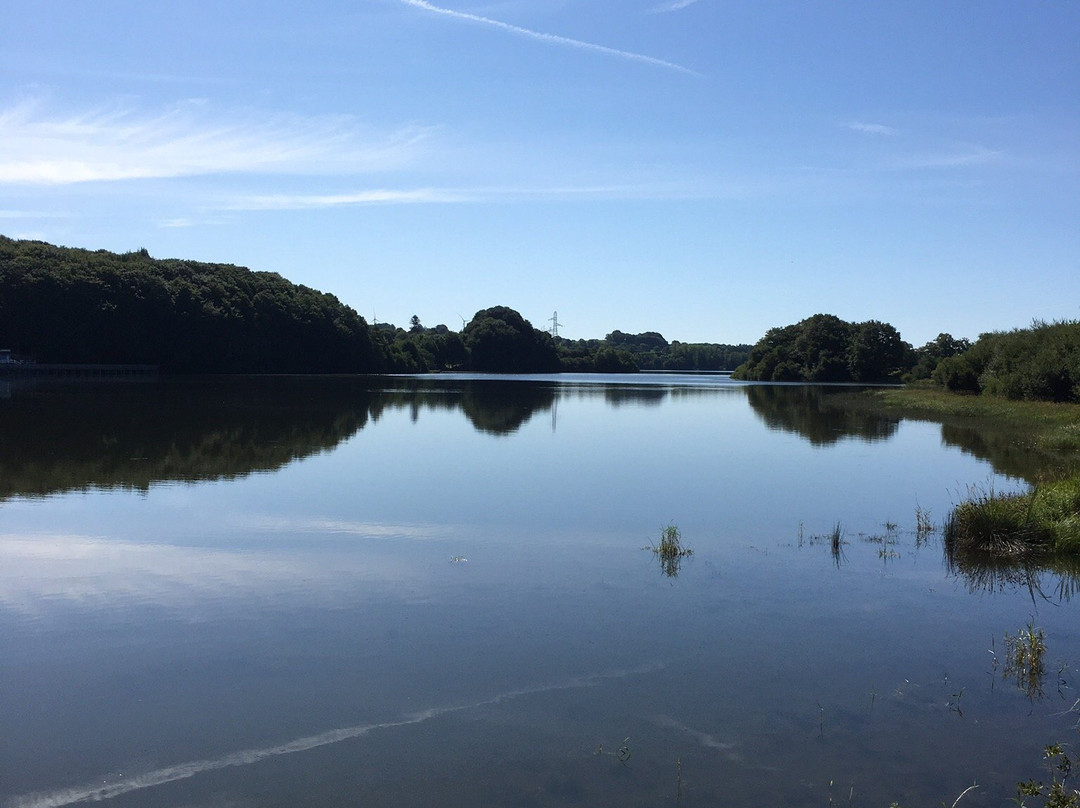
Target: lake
{"points": [[417, 591]]}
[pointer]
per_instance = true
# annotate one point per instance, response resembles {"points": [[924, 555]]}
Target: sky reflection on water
{"points": [[445, 598]]}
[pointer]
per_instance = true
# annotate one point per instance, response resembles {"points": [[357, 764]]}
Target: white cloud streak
{"points": [[378, 196], [676, 5], [872, 128], [117, 143], [442, 196], [976, 155], [552, 39]]}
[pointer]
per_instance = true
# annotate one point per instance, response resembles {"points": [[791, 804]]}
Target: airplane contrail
{"points": [[551, 38]]}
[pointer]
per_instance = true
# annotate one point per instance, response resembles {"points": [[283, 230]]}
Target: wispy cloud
{"points": [[191, 138], [549, 38], [378, 196], [674, 5], [486, 194], [30, 214], [871, 128], [975, 155]]}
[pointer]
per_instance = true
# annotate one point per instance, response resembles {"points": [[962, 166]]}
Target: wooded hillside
{"points": [[61, 304]]}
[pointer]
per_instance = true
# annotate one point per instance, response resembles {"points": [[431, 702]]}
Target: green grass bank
{"points": [[1038, 441]]}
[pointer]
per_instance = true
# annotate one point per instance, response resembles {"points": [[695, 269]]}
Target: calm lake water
{"points": [[436, 591]]}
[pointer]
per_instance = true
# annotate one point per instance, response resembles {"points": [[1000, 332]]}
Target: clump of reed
{"points": [[1044, 521], [670, 551], [1024, 654], [836, 541], [923, 526]]}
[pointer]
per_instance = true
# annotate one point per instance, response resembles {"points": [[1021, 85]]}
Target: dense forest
{"points": [[1040, 363], [64, 305], [68, 305], [824, 348]]}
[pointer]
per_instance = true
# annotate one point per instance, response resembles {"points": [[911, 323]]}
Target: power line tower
{"points": [[554, 320]]}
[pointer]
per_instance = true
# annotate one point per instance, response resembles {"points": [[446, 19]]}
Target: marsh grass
{"points": [[670, 551], [836, 543], [834, 538], [887, 542], [1040, 523], [1024, 654], [923, 526]]}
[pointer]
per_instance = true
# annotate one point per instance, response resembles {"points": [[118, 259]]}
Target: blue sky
{"points": [[703, 168]]}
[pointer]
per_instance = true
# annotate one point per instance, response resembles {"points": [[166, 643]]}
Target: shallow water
{"points": [[402, 591]]}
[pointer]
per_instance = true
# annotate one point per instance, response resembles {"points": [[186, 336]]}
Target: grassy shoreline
{"points": [[1042, 523]]}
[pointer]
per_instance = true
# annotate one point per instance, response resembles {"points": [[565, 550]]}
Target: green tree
{"points": [[824, 348], [877, 353], [500, 340]]}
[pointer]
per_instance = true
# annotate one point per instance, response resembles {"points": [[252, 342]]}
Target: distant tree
{"points": [[613, 360], [929, 355], [649, 340], [500, 340], [876, 353], [414, 324], [824, 348]]}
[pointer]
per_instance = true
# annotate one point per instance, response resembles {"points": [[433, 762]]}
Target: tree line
{"points": [[1037, 363], [66, 305], [69, 305]]}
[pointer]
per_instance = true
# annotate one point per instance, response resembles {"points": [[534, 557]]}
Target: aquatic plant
{"points": [[836, 541], [1044, 521], [1024, 653], [670, 551], [1057, 794], [923, 526]]}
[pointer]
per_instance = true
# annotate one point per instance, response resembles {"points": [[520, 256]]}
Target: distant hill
{"points": [[61, 304]]}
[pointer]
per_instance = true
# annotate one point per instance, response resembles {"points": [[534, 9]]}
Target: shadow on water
{"points": [[1008, 449], [64, 436], [810, 412], [1006, 445], [58, 436], [1051, 578]]}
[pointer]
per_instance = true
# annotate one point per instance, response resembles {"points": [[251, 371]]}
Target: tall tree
{"points": [[500, 340]]}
